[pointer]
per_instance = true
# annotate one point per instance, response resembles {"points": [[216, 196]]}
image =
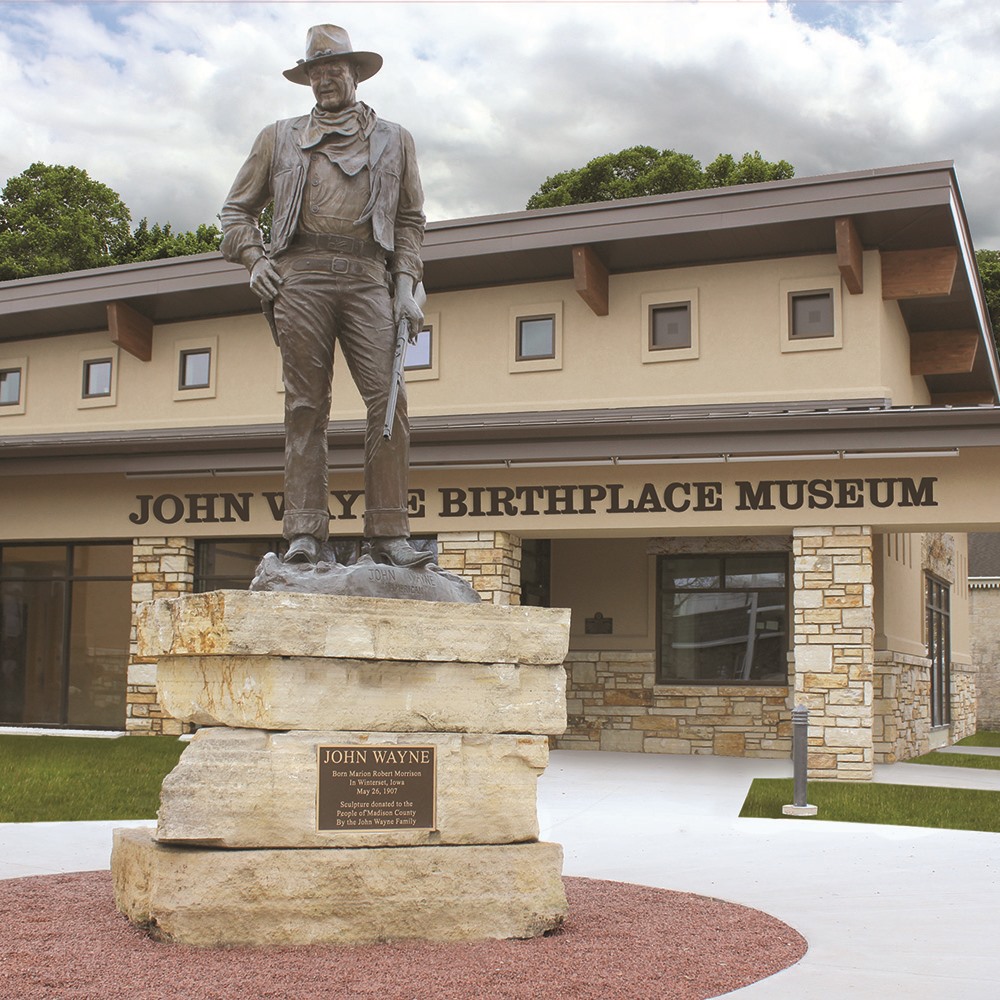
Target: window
{"points": [[97, 378], [195, 369], [10, 386], [670, 325], [723, 619], [810, 317], [65, 618], [810, 314], [938, 611], [418, 351], [536, 337], [536, 572], [196, 363]]}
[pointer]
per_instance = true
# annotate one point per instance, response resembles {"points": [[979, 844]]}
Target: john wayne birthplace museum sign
{"points": [[558, 500]]}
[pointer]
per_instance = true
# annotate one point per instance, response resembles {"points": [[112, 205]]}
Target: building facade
{"points": [[741, 433]]}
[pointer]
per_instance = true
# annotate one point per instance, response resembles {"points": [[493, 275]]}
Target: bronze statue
{"points": [[343, 265]]}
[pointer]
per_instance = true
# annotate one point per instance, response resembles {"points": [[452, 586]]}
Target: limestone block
{"points": [[236, 622], [210, 897], [298, 692], [243, 788]]}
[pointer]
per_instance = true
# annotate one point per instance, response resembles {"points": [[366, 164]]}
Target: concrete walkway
{"points": [[888, 911]]}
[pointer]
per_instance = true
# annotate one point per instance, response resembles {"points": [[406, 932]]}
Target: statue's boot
{"points": [[303, 549], [397, 551]]}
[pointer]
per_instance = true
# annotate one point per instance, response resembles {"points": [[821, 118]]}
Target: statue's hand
{"points": [[404, 306], [265, 280]]}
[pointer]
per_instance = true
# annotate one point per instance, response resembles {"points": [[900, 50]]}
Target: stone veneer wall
{"points": [[614, 703], [963, 701], [834, 630], [984, 600], [902, 723], [489, 560], [161, 567]]}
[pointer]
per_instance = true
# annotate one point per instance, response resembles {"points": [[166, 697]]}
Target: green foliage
{"points": [[643, 170], [874, 802], [55, 219], [982, 762], [63, 778], [989, 272]]}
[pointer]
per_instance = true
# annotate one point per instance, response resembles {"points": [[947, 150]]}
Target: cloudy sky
{"points": [[162, 100]]}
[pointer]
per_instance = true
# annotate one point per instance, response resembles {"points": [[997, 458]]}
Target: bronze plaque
{"points": [[376, 788]]}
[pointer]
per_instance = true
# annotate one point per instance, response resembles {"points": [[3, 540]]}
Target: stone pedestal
{"points": [[244, 852]]}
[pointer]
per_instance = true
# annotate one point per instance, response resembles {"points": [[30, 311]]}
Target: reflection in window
{"points": [[536, 337], [196, 369], [418, 352], [10, 386], [723, 619], [811, 314], [97, 378]]}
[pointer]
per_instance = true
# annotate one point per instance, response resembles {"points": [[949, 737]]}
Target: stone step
{"points": [[246, 788], [210, 897]]}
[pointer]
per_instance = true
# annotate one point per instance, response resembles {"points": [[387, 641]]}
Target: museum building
{"points": [[741, 433]]}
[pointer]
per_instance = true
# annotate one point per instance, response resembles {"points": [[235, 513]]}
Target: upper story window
{"points": [[196, 363], [97, 378], [419, 352], [670, 325], [723, 619], [536, 337], [10, 386], [810, 318], [195, 369], [810, 314]]}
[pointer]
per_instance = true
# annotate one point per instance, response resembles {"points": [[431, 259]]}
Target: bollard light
{"points": [[800, 764]]}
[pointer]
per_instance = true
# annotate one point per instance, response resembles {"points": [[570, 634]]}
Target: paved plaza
{"points": [[888, 911]]}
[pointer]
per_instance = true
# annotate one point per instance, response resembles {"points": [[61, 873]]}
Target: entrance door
{"points": [[939, 649]]}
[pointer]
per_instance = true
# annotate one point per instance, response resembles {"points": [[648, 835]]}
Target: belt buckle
{"points": [[340, 265]]}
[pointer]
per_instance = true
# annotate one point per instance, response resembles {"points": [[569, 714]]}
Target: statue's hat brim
{"points": [[328, 42]]}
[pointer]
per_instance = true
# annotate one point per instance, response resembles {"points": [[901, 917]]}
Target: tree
{"points": [[989, 272], [157, 242], [55, 219], [643, 170]]}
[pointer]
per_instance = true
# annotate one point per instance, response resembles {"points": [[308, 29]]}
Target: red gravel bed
{"points": [[61, 937]]}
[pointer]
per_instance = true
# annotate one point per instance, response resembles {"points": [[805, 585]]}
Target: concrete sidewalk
{"points": [[888, 911]]}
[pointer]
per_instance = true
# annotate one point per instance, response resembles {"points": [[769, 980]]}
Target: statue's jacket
{"points": [[276, 170]]}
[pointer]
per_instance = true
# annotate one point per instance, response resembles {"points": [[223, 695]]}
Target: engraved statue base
{"points": [[367, 771]]}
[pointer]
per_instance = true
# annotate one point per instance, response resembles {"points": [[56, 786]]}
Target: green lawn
{"points": [[983, 739], [79, 778], [983, 762], [868, 802]]}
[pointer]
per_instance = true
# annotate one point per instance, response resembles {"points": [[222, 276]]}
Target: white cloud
{"points": [[161, 101]]}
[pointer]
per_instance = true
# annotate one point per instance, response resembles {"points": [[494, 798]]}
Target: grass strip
{"points": [[63, 778], [983, 739], [898, 805], [980, 761]]}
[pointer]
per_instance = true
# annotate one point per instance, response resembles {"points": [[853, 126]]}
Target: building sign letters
{"points": [[553, 501]]}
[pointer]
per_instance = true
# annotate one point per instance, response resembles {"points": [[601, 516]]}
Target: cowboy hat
{"points": [[327, 41]]}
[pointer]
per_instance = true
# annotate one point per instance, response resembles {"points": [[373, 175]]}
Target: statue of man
{"points": [[342, 265]]}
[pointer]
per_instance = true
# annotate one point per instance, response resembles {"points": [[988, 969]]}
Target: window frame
{"points": [[425, 373], [88, 358], [788, 289], [516, 362], [182, 348], [937, 636], [661, 679], [649, 301]]}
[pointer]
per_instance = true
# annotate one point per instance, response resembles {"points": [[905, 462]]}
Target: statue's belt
{"points": [[346, 246]]}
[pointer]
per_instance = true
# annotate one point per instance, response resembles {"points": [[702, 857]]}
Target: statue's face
{"points": [[333, 84]]}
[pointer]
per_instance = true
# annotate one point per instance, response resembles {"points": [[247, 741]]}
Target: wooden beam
{"points": [[914, 274], [130, 330], [978, 398], [943, 352], [849, 255], [591, 278]]}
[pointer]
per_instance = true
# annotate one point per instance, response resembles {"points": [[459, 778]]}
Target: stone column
{"points": [[161, 567], [834, 655], [489, 560]]}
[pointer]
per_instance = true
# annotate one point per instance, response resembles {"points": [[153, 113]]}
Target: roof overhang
{"points": [[892, 209]]}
